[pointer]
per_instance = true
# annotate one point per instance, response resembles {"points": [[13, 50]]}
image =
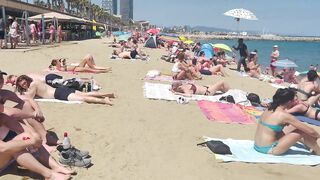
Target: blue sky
{"points": [[295, 17]]}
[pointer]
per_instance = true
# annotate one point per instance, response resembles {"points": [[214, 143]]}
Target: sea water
{"points": [[303, 54]]}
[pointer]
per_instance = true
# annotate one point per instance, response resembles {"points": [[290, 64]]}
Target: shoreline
{"points": [[252, 37]]}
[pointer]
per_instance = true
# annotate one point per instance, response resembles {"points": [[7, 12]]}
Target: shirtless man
{"points": [[309, 89], [25, 108], [28, 87]]}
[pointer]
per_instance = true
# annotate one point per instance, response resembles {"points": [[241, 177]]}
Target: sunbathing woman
{"points": [[29, 88], [86, 65], [270, 137], [309, 89], [253, 69], [182, 70], [304, 109], [190, 88]]}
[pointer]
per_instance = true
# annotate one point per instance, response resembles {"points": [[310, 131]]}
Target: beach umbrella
{"points": [[124, 37], [188, 42], [153, 31], [285, 63], [183, 38], [241, 14], [222, 47]]}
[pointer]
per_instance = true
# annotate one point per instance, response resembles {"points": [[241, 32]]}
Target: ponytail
{"points": [[281, 97]]}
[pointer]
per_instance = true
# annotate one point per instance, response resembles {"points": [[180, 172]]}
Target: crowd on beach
{"points": [[277, 129]]}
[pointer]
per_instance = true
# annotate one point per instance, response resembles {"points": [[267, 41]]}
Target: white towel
{"points": [[162, 91], [277, 86], [58, 101], [243, 151]]}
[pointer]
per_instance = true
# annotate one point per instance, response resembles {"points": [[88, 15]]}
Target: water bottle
{"points": [[66, 141]]}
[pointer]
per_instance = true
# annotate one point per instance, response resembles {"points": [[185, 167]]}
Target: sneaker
{"points": [[79, 154], [66, 159]]}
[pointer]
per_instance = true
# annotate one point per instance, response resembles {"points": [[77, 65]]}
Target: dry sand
{"points": [[139, 138]]}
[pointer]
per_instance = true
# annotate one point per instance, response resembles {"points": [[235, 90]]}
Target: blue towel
{"points": [[242, 151], [308, 120]]}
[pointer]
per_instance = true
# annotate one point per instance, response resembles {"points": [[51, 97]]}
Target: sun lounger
{"points": [[242, 151]]}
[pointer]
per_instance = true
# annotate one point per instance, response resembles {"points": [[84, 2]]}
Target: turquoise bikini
{"points": [[275, 128]]}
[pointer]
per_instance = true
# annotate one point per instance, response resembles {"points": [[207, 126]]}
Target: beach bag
{"points": [[254, 99], [73, 84], [217, 147], [228, 98]]}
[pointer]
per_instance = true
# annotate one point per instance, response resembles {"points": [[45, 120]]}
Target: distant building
{"points": [[115, 7], [126, 9], [111, 6]]}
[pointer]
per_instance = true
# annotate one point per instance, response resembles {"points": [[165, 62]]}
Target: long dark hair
{"points": [[20, 89], [281, 97]]}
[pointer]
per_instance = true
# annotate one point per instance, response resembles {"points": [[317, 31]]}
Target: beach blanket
{"points": [[162, 91], [166, 78], [308, 120], [58, 101], [225, 112], [243, 151]]}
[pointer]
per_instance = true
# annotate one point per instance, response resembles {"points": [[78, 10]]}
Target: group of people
{"points": [[26, 139]]}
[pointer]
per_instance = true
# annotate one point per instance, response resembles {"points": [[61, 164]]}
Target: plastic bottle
{"points": [[66, 141]]}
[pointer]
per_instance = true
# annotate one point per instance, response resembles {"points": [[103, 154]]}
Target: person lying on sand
{"points": [[189, 89], [309, 89], [304, 109], [54, 80], [86, 65], [28, 87], [278, 130]]}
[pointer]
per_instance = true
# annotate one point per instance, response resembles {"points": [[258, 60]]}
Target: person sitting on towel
{"points": [[189, 89], [28, 87], [181, 70], [304, 109], [277, 130]]}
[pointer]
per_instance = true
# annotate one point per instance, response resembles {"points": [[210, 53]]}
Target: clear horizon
{"points": [[291, 17]]}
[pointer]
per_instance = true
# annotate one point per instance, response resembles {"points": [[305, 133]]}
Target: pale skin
{"points": [[186, 89], [86, 65], [309, 87], [38, 88], [187, 72], [16, 149], [301, 107], [298, 131]]}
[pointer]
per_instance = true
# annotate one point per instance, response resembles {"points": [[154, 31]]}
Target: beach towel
{"points": [[253, 111], [308, 120], [166, 78], [162, 91], [277, 86], [243, 151], [58, 101], [225, 112]]}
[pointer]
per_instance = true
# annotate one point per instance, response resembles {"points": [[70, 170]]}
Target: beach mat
{"points": [[162, 91], [58, 101], [308, 120], [166, 78], [243, 151], [225, 113]]}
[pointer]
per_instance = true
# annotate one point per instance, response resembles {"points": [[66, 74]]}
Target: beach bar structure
{"points": [[76, 28]]}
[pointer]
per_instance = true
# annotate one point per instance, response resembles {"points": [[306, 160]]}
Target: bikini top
{"points": [[275, 128], [304, 93], [193, 88]]}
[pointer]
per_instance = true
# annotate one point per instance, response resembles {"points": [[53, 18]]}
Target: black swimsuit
{"points": [[62, 93], [194, 89]]}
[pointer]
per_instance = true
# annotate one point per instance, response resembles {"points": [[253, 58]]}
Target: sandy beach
{"points": [[139, 138]]}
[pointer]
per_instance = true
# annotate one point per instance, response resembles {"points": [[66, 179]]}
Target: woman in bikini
{"points": [[181, 70], [309, 89], [272, 138], [189, 89], [253, 68], [304, 109], [86, 65]]}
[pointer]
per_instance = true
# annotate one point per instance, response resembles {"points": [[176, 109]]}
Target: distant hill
{"points": [[209, 29]]}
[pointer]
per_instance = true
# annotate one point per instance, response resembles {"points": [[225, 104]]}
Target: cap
{"points": [[253, 52], [275, 46], [10, 17], [2, 73]]}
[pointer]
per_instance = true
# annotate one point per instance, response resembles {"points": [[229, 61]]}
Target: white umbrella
{"points": [[285, 63], [241, 14]]}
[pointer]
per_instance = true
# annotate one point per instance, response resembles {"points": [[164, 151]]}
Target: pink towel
{"points": [[226, 113]]}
